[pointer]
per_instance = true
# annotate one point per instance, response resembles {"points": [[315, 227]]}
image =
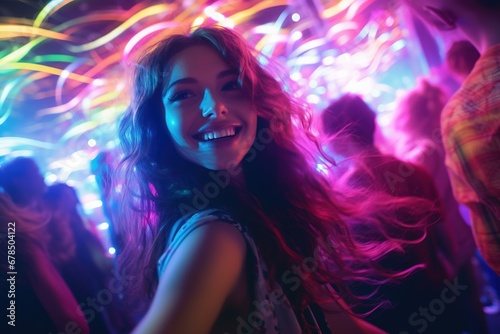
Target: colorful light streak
{"points": [[10, 31], [51, 7], [122, 28]]}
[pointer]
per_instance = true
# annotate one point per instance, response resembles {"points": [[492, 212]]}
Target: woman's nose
{"points": [[212, 106]]}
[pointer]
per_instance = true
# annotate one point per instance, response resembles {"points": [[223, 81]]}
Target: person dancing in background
{"points": [[230, 226], [418, 120], [83, 262], [21, 179], [351, 123], [43, 301], [470, 122], [460, 59]]}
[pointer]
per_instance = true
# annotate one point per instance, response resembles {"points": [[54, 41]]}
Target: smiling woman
{"points": [[208, 115], [230, 228]]}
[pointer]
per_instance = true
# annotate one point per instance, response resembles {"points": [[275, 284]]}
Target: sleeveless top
{"points": [[272, 312]]}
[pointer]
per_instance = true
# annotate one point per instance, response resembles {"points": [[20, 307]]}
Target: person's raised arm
{"points": [[197, 281], [54, 294]]}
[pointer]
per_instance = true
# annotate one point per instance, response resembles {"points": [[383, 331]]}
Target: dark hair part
{"points": [[461, 57], [350, 116]]}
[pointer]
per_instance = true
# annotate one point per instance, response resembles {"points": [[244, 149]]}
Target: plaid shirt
{"points": [[471, 136]]}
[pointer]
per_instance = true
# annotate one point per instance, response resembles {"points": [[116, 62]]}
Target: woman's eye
{"points": [[232, 85], [181, 95]]}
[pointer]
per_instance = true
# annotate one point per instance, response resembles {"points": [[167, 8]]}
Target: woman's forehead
{"points": [[197, 61]]}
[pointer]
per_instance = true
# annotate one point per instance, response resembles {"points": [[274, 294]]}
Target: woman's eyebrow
{"points": [[226, 73], [187, 80], [190, 80]]}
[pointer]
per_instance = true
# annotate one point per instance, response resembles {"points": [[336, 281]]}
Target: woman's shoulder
{"points": [[188, 223], [198, 275], [204, 230]]}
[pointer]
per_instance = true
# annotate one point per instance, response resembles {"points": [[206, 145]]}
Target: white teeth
{"points": [[219, 134]]}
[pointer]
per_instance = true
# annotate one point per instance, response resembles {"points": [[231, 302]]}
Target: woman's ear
{"points": [[441, 19]]}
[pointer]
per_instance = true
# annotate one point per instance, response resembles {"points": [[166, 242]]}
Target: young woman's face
{"points": [[210, 119]]}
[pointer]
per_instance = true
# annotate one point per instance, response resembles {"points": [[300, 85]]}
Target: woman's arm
{"points": [[197, 281]]}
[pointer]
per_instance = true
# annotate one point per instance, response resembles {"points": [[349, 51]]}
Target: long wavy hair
{"points": [[288, 207]]}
